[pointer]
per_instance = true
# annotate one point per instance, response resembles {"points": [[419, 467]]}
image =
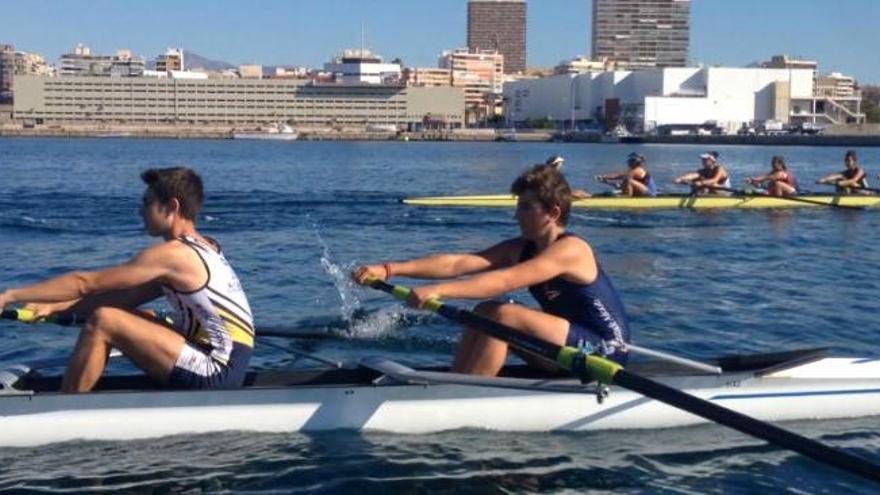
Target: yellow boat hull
{"points": [[666, 202]]}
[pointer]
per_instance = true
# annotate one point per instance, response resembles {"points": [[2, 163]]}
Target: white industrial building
{"points": [[363, 67], [651, 99]]}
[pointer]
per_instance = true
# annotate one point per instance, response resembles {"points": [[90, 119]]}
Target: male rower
{"points": [[579, 305], [212, 337], [636, 181], [711, 178], [851, 179], [779, 181]]}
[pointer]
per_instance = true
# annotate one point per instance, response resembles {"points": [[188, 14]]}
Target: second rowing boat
{"points": [[666, 201]]}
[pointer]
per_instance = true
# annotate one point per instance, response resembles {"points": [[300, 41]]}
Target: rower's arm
{"points": [[611, 176], [830, 179], [148, 266], [441, 266], [570, 257], [687, 178], [759, 179]]}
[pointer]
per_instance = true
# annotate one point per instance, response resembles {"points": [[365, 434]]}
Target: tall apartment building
{"points": [[642, 33], [7, 71], [499, 25], [171, 60]]}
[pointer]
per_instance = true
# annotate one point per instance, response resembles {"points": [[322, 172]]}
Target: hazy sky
{"points": [[841, 35]]}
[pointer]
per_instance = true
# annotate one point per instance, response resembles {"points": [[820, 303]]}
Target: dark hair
{"points": [[179, 183], [851, 154], [778, 159], [549, 185]]}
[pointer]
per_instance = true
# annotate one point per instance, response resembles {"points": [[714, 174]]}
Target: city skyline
{"points": [[837, 35]]}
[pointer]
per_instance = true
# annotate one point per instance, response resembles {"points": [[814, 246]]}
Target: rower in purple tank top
{"points": [[579, 305]]}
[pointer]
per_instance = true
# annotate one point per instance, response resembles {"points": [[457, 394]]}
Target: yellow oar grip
{"points": [[402, 293], [600, 369], [26, 315]]}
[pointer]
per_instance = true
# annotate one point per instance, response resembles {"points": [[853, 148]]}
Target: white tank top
{"points": [[217, 314]]}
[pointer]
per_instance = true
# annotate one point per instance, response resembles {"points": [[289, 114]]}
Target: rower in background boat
{"points": [[852, 179], [635, 181], [711, 178], [580, 306], [779, 181], [212, 339]]}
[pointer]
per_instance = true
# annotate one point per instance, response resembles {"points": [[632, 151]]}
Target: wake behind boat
{"points": [[379, 394], [664, 201]]}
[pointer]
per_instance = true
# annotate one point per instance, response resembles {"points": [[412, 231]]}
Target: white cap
{"points": [[555, 160]]}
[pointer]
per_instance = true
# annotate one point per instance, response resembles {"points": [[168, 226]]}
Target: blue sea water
{"points": [[295, 217]]}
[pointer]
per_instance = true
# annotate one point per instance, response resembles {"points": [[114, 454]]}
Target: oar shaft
{"points": [[487, 325], [748, 425], [796, 199]]}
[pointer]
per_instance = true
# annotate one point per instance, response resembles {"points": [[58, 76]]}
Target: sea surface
{"points": [[295, 217]]}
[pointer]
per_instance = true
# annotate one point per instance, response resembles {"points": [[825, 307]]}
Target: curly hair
{"points": [[549, 185]]}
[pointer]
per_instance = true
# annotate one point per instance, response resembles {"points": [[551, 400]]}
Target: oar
{"points": [[71, 319], [592, 367], [742, 192]]}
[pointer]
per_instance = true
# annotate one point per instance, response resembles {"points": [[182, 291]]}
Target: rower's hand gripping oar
{"points": [[590, 367]]}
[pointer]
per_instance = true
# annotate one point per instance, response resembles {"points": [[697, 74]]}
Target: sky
{"points": [[840, 34]]}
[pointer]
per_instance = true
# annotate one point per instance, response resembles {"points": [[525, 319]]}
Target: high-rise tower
{"points": [[499, 25], [642, 33]]}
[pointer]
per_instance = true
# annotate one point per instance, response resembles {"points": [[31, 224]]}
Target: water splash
{"points": [[379, 324], [345, 287]]}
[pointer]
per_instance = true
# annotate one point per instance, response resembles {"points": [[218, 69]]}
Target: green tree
{"points": [[871, 103]]}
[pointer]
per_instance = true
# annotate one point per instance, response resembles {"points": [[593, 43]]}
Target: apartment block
{"points": [[641, 33], [499, 25]]}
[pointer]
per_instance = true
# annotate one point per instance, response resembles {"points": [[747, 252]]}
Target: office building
{"points": [[648, 100], [152, 100], [641, 33], [499, 25]]}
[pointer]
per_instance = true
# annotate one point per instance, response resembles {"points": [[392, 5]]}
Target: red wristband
{"points": [[387, 267]]}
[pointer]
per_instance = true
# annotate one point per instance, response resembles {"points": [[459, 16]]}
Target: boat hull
{"points": [[826, 389], [667, 202]]}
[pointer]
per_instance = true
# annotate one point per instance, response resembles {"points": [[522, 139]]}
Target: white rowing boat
{"points": [[382, 395]]}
